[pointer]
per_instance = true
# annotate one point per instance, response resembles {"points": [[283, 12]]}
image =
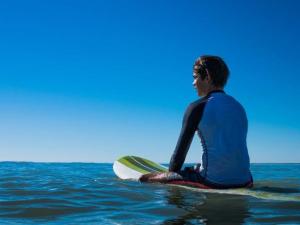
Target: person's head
{"points": [[210, 73]]}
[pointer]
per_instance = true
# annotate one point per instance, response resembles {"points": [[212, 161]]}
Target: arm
{"points": [[190, 123]]}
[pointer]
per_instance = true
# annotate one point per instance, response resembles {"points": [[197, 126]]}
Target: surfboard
{"points": [[133, 167]]}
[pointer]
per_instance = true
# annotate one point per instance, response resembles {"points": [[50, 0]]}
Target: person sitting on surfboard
{"points": [[221, 123]]}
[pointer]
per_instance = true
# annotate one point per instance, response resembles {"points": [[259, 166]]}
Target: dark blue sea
{"points": [[89, 193]]}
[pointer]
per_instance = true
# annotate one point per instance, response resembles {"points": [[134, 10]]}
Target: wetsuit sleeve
{"points": [[190, 123]]}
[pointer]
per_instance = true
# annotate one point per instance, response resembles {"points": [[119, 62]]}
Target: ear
{"points": [[208, 78]]}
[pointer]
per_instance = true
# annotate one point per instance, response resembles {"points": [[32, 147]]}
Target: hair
{"points": [[215, 67]]}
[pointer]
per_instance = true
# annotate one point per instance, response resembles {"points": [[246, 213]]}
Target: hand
{"points": [[160, 177], [152, 177]]}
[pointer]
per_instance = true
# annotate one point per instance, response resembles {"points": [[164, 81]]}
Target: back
{"points": [[223, 132]]}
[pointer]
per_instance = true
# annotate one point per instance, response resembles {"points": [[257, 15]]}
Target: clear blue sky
{"points": [[94, 80]]}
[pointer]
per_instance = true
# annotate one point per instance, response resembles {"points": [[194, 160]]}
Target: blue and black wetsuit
{"points": [[222, 125]]}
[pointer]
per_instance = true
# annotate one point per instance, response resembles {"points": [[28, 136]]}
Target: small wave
{"points": [[45, 212], [248, 192]]}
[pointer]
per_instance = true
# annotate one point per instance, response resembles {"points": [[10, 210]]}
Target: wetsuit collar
{"points": [[215, 91]]}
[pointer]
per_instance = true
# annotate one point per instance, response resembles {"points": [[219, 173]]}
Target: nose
{"points": [[194, 83]]}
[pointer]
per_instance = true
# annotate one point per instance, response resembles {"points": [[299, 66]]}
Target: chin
{"points": [[200, 94]]}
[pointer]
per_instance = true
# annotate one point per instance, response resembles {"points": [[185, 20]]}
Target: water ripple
{"points": [[78, 193]]}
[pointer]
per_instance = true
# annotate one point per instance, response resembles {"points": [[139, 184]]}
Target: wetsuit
{"points": [[222, 125]]}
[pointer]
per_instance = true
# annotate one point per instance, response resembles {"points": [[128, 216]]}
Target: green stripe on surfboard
{"points": [[137, 163], [130, 163], [150, 164], [141, 165], [125, 161]]}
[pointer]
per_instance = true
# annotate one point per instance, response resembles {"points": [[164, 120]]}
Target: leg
{"points": [[160, 177]]}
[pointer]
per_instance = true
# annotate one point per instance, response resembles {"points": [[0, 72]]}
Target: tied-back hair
{"points": [[215, 67]]}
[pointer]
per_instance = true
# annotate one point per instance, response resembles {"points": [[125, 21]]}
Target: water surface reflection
{"points": [[207, 208]]}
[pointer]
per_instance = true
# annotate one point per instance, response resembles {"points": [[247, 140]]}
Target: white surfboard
{"points": [[133, 167]]}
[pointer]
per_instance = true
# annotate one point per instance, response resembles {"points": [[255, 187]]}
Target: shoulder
{"points": [[197, 106], [198, 103], [236, 102]]}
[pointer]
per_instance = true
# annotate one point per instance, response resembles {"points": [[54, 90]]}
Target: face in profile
{"points": [[200, 85]]}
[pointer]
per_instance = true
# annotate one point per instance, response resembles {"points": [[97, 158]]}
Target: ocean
{"points": [[90, 193]]}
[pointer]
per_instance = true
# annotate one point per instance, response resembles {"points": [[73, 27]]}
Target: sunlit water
{"points": [[87, 193]]}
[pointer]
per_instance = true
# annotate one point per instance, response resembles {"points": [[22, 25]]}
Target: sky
{"points": [[91, 81]]}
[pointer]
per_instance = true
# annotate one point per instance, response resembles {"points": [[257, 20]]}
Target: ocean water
{"points": [[89, 193]]}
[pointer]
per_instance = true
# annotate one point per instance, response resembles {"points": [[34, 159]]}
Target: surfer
{"points": [[221, 124]]}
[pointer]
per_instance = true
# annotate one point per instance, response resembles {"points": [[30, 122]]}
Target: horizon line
{"points": [[86, 162]]}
